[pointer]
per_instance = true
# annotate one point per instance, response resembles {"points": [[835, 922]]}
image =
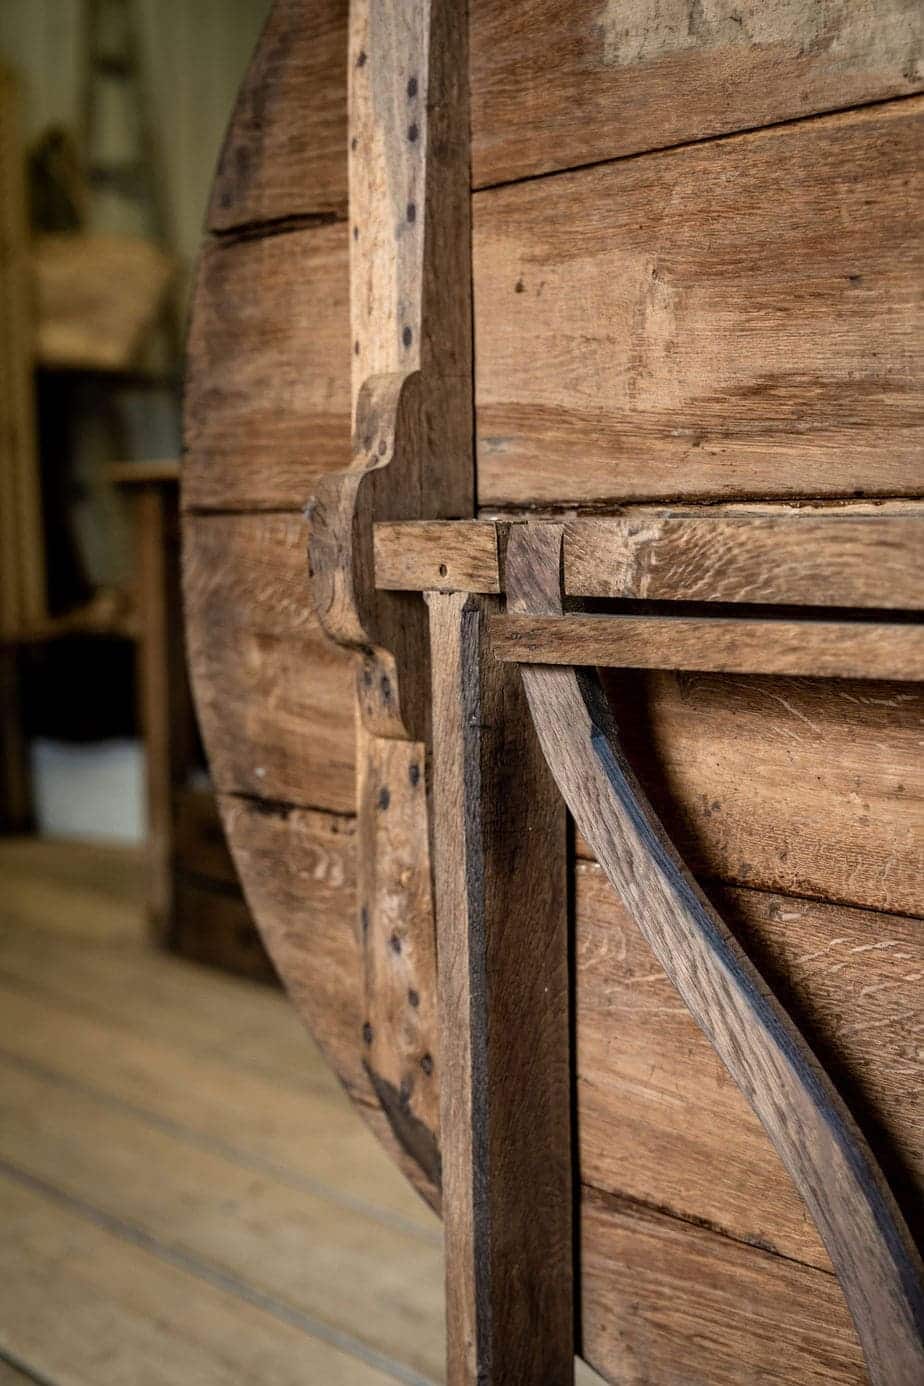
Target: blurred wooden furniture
{"points": [[195, 903], [22, 567]]}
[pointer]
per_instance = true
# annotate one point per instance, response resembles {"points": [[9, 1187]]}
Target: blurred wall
{"points": [[194, 53]]}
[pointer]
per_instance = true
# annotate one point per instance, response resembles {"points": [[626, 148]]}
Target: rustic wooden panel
{"points": [[741, 318], [554, 86], [268, 398], [799, 785], [670, 1303], [660, 1121], [274, 697], [285, 151], [299, 870], [213, 925]]}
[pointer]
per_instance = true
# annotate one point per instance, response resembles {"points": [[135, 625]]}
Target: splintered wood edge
{"points": [[865, 556]]}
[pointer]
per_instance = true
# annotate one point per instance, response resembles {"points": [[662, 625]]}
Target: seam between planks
{"points": [[831, 113]]}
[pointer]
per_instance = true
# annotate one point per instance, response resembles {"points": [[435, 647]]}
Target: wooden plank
{"points": [[661, 1124], [373, 1282], [668, 1302], [692, 324], [502, 931], [284, 154], [766, 1055], [267, 407], [555, 86], [797, 785], [717, 644], [823, 556], [119, 1295], [299, 871], [272, 694], [437, 555], [199, 840], [846, 555]]}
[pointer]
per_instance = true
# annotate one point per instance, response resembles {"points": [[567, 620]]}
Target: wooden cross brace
{"points": [[472, 718]]}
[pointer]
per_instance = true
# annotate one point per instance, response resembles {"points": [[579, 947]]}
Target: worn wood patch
{"points": [[672, 1303], [800, 785], [660, 1121], [274, 698], [738, 319], [284, 155], [267, 407], [554, 86]]}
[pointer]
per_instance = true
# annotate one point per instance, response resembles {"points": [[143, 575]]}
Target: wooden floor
{"points": [[186, 1196]]}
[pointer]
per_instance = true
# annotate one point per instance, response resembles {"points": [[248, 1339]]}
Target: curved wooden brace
{"points": [[826, 1155]]}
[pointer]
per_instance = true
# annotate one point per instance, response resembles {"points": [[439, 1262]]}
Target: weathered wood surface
{"points": [[502, 929], [766, 1055], [844, 555], [274, 697], [676, 1134], [284, 156], [741, 318], [671, 1303], [719, 644], [849, 976], [798, 785], [660, 327], [556, 86], [267, 406], [411, 388]]}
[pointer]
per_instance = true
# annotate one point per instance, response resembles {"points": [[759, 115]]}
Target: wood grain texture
{"points": [[267, 408], [670, 1303], [847, 555], [502, 929], [798, 785], [737, 319], [660, 1122], [438, 555], [804, 786], [554, 86], [718, 644], [299, 872], [272, 694], [400, 1029], [816, 1138], [284, 155]]}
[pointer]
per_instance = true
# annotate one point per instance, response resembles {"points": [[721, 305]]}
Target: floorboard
{"points": [[186, 1193]]}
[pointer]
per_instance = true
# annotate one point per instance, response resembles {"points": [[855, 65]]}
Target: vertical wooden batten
{"points": [[502, 928]]}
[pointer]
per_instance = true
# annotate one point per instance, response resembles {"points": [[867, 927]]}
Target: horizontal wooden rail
{"points": [[864, 555], [826, 649]]}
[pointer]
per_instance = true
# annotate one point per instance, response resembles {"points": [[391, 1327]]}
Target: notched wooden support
{"points": [[410, 314], [819, 1144]]}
